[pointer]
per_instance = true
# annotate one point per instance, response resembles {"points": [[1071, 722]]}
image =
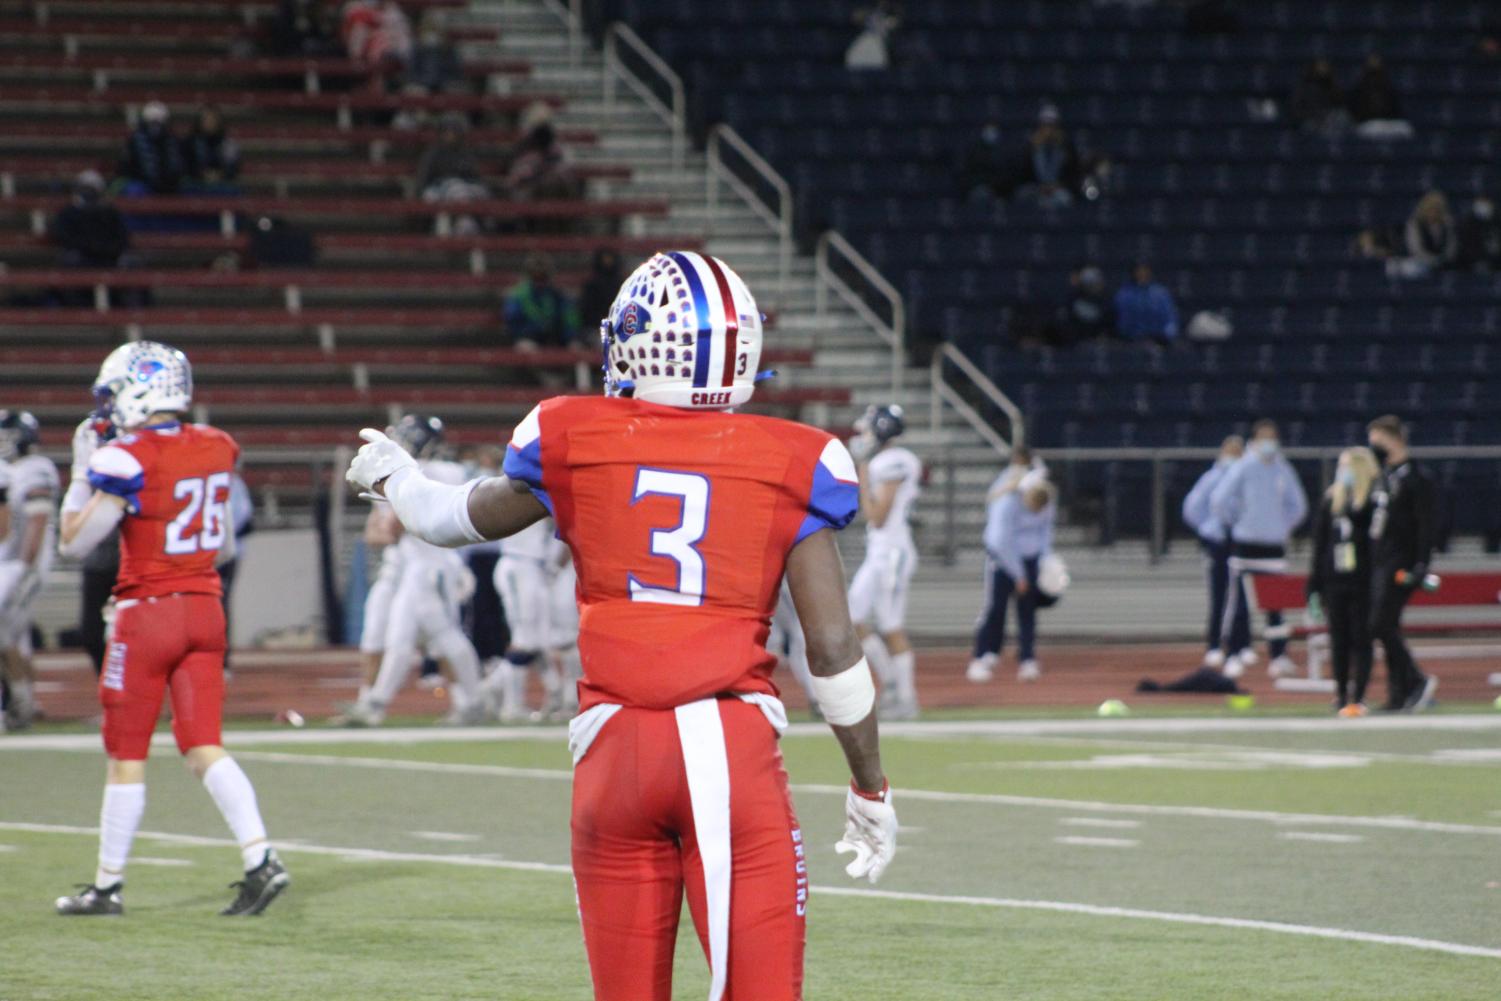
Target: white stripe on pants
{"points": [[707, 766]]}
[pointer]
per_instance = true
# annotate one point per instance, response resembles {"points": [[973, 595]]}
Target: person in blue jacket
{"points": [[1018, 534], [1145, 310], [1214, 540], [1260, 501]]}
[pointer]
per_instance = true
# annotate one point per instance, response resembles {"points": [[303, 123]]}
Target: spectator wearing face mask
{"points": [[1214, 540], [1260, 501], [1018, 534], [1339, 579]]}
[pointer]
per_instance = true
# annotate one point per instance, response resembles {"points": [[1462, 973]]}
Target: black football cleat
{"points": [[260, 886], [92, 901]]}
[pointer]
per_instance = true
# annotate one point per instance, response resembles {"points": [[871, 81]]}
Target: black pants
{"points": [[1388, 599], [1217, 573], [227, 586], [991, 635], [97, 585], [1348, 609], [484, 618]]}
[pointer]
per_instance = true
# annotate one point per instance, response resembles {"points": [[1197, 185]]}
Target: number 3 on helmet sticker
{"points": [[676, 544]]}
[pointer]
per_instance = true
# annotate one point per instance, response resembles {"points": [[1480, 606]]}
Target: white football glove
{"points": [[85, 444], [376, 460], [869, 832]]}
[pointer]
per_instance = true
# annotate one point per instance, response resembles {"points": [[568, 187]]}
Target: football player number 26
{"points": [[676, 543], [209, 495]]}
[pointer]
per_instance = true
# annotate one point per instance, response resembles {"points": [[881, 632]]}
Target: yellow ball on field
{"points": [[1497, 703], [1112, 707]]}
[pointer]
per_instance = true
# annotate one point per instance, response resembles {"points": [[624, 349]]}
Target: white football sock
{"points": [[119, 817], [364, 696], [903, 676], [458, 653], [394, 668], [235, 797]]}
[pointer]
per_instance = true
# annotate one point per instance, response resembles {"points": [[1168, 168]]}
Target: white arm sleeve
{"points": [[434, 512], [94, 530]]}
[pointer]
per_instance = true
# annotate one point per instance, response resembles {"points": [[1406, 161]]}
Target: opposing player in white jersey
{"points": [[382, 530], [536, 584], [563, 625], [890, 483], [31, 490], [424, 609]]}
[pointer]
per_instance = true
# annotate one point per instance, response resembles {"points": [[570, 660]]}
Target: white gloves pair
{"points": [[375, 461], [869, 832]]}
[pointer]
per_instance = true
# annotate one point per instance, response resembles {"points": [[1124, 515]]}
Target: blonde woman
{"points": [[1340, 577]]}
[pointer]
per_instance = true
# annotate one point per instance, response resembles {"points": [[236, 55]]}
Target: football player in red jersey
{"points": [[683, 518], [166, 485]]}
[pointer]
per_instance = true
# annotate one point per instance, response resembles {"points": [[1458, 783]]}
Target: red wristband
{"points": [[874, 797]]}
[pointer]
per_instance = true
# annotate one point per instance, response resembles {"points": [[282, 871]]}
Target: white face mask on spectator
{"points": [[1266, 447]]}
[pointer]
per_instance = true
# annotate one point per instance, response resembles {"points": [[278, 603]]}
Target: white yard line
{"points": [[1331, 839], [1110, 822], [1004, 903], [448, 836], [1087, 842]]}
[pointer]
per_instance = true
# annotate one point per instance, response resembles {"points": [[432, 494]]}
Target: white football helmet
{"points": [[140, 379], [685, 332]]}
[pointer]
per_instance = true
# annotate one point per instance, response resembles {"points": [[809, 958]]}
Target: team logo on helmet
{"points": [[634, 319], [146, 368]]}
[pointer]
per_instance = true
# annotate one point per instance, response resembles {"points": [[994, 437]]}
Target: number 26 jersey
{"points": [[175, 481], [680, 523]]}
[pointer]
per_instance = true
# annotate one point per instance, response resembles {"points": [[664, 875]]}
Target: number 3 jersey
{"points": [[680, 523], [175, 481]]}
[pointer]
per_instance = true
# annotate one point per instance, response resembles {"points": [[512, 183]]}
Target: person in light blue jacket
{"points": [[1260, 501], [1214, 540], [1018, 534]]}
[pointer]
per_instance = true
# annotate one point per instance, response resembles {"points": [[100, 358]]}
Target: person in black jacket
{"points": [[1340, 577], [1402, 527]]}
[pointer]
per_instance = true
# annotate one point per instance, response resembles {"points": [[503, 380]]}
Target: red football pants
{"points": [[175, 641], [697, 799]]}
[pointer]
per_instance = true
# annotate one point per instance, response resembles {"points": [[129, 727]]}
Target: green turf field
{"points": [[1087, 859]]}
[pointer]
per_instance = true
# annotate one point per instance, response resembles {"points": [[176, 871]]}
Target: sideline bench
{"points": [[1285, 593]]}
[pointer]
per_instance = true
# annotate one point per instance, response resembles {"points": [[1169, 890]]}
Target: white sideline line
{"points": [[1004, 903], [448, 836], [1332, 839], [1075, 839], [946, 729]]}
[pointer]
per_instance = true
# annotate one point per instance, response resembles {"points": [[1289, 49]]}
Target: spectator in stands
{"points": [[1018, 534], [871, 49], [1214, 541], [983, 174], [600, 289], [537, 314], [435, 66], [1318, 105], [1049, 171], [1089, 313], [376, 32], [1431, 239], [1402, 537], [449, 170], [1339, 579], [89, 231], [1260, 501], [1145, 310], [153, 163], [1374, 104], [1479, 237], [539, 167], [303, 28], [211, 159]]}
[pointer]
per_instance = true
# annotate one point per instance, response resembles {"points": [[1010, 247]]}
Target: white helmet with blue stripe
{"points": [[684, 332], [140, 379]]}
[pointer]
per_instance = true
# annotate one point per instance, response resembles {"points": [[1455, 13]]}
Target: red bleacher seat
{"points": [[201, 31], [560, 243], [198, 205], [61, 168], [115, 134], [191, 65], [186, 99]]}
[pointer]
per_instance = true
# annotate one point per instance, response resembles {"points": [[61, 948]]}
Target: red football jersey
{"points": [[680, 523], [175, 480]]}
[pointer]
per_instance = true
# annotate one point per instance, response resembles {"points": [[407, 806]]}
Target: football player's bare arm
{"points": [[82, 530], [815, 576], [878, 499], [501, 506]]}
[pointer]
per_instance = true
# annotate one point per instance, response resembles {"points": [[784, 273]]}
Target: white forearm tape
{"points": [[847, 697], [77, 496], [434, 512]]}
